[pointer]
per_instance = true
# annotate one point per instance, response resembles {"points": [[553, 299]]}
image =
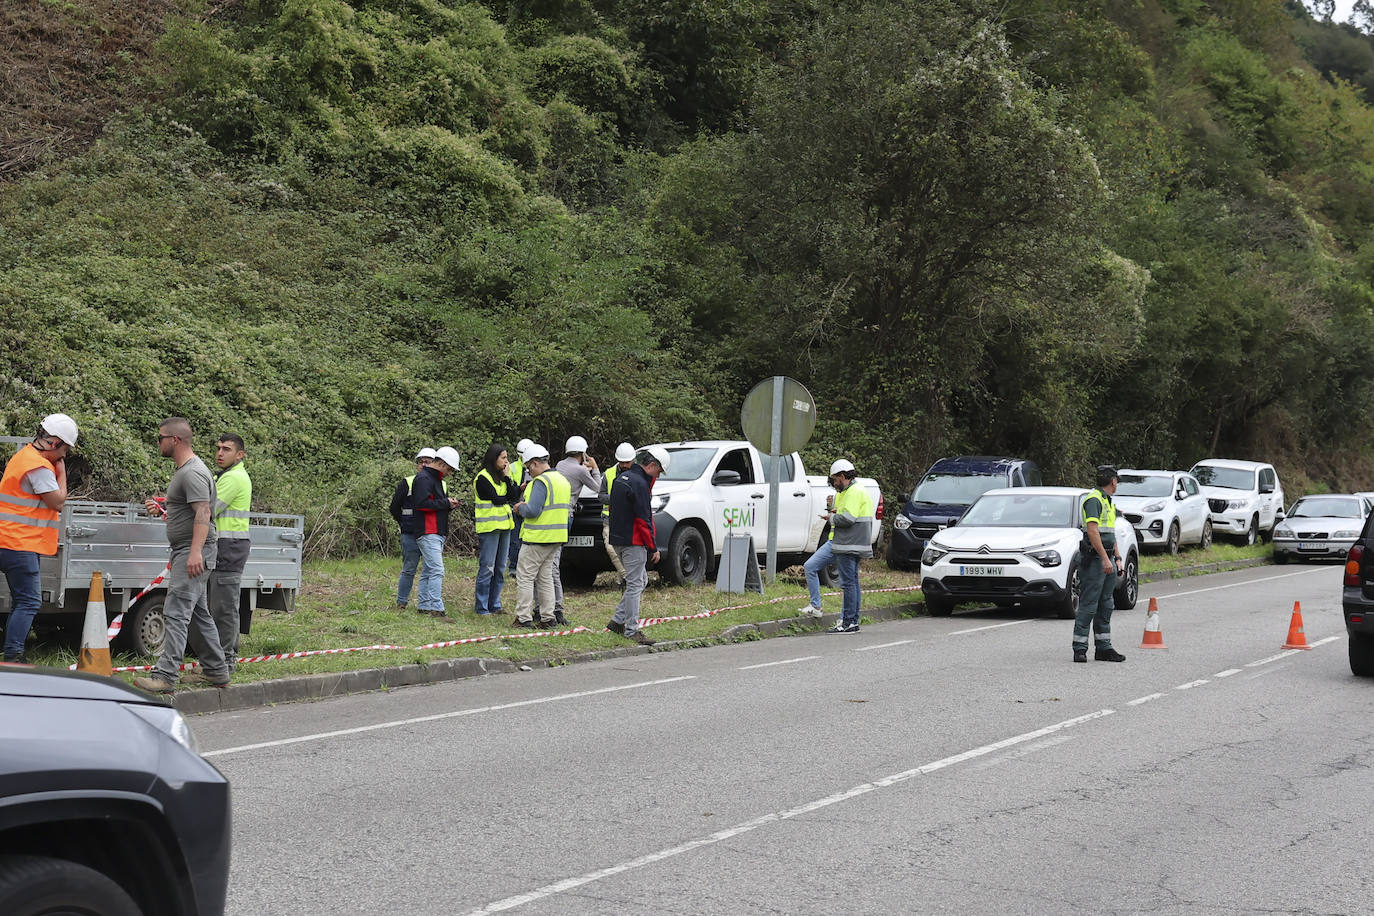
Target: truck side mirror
{"points": [[903, 497], [725, 478], [953, 520], [1266, 488]]}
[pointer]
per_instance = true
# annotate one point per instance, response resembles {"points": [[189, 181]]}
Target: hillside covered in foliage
{"points": [[1138, 231]]}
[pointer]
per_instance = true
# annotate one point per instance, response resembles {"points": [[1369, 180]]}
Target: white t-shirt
{"points": [[39, 481]]}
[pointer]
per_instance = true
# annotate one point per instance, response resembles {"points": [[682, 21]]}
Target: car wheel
{"points": [[1362, 654], [893, 561], [1128, 591], [1206, 541], [1174, 537], [576, 576], [1280, 558], [145, 627], [1252, 533], [33, 885], [1068, 607], [686, 561], [938, 607]]}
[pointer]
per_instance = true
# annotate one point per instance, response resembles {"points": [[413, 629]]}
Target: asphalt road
{"points": [[956, 765]]}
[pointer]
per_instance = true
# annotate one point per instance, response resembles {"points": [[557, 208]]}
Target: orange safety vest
{"points": [[25, 523]]}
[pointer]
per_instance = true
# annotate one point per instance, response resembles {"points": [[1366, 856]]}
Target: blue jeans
{"points": [[21, 572], [849, 586], [410, 561], [491, 564], [431, 597], [819, 560]]}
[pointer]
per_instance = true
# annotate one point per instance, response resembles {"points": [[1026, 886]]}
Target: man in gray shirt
{"points": [[585, 477], [192, 539]]}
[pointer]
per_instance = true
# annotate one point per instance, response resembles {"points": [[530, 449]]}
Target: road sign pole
{"points": [[775, 452]]}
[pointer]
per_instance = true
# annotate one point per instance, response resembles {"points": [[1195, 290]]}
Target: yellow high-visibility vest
{"points": [[551, 525], [488, 515]]}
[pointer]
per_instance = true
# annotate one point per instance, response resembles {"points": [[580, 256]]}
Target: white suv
{"points": [[1245, 497]]}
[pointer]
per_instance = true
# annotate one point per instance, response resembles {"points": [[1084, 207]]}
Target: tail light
{"points": [[1354, 559], [878, 513]]}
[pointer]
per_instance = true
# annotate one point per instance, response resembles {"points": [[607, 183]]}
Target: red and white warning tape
{"points": [[118, 622]]}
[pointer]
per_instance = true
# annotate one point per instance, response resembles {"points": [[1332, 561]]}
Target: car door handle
{"points": [[802, 493], [756, 496]]}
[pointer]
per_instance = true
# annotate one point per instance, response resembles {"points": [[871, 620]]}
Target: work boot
{"points": [[1080, 655], [559, 619], [1108, 655], [616, 628], [639, 637], [154, 684], [525, 625]]}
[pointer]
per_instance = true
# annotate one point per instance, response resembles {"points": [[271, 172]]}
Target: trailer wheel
{"points": [[145, 627]]}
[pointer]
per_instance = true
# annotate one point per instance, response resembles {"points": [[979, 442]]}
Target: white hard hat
{"points": [[575, 445], [659, 454], [844, 464], [532, 451], [449, 456], [624, 452], [522, 445], [425, 452], [61, 426]]}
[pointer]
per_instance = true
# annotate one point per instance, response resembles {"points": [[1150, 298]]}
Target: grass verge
{"points": [[1192, 556]]}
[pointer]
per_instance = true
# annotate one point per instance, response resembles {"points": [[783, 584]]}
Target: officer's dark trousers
{"points": [[1096, 604]]}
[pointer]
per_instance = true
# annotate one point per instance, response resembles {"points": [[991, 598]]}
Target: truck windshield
{"points": [[1230, 478], [1014, 510], [687, 463], [956, 489], [1144, 485]]}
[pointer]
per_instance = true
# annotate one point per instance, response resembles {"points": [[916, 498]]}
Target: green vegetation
{"points": [[1191, 556], [1128, 231]]}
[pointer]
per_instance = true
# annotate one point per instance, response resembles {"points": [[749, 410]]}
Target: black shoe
{"points": [[16, 659], [525, 625], [844, 628], [1080, 655], [559, 619], [616, 628], [548, 624], [1108, 655]]}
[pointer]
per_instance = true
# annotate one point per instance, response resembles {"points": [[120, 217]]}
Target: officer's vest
{"points": [[231, 515], [855, 500], [1106, 522], [488, 515], [516, 472], [25, 523], [610, 479], [551, 525]]}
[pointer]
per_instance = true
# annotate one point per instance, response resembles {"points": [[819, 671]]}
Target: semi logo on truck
{"points": [[738, 516]]}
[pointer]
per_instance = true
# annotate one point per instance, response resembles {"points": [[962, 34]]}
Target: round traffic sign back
{"points": [[785, 399]]}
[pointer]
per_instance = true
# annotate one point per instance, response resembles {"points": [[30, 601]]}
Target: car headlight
{"points": [[659, 503], [1283, 531], [1154, 507], [1349, 533], [902, 523], [1047, 557], [932, 555], [1237, 503], [168, 721]]}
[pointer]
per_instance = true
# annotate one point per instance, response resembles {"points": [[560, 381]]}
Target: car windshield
{"points": [[1144, 485], [1230, 478], [1335, 507], [687, 463], [939, 488], [1017, 510]]}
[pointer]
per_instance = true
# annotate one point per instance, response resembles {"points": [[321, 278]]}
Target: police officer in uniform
{"points": [[1098, 566]]}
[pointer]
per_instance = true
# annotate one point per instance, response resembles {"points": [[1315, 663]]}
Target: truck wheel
{"points": [[938, 607], [1128, 591], [1362, 655], [33, 885], [145, 627], [686, 560], [1251, 536], [1068, 607]]}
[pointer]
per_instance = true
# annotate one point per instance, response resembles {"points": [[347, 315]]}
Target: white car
{"points": [[1020, 546], [1167, 508], [1320, 527], [1245, 497]]}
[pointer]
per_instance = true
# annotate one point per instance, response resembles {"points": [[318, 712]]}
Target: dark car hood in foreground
{"points": [[76, 685]]}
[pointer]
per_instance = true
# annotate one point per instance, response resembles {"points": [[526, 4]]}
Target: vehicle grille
{"points": [[1132, 518], [985, 560], [1312, 535], [984, 585], [1217, 505], [926, 532]]}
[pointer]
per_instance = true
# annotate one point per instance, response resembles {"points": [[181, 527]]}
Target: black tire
{"points": [[687, 559], [1206, 542], [577, 576], [938, 607], [891, 557], [1362, 654], [1252, 535], [1280, 558], [38, 886], [145, 628], [1127, 593], [1175, 536], [1067, 609]]}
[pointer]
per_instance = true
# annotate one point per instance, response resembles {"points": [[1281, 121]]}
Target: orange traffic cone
{"points": [[1297, 639], [1153, 638], [95, 643]]}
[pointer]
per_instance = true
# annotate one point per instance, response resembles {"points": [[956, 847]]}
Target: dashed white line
{"points": [[1272, 658], [1227, 673], [1322, 642], [991, 626], [1145, 699], [886, 645], [567, 884], [397, 723], [785, 661], [1191, 684]]}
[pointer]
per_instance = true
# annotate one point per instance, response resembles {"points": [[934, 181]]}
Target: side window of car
{"points": [[1190, 485], [1267, 479], [1032, 472], [789, 467], [738, 461]]}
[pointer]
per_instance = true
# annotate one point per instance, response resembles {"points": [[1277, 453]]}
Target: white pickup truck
{"points": [[713, 489]]}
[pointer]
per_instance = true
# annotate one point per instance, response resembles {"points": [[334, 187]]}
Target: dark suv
{"points": [[106, 808], [1357, 601], [944, 493]]}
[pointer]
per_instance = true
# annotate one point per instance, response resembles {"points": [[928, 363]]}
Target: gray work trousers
{"points": [[535, 576], [187, 614], [635, 560], [224, 608], [1095, 604]]}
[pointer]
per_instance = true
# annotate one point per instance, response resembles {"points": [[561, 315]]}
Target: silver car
{"points": [[1320, 527]]}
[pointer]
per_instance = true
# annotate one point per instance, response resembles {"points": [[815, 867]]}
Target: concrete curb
{"points": [[320, 686]]}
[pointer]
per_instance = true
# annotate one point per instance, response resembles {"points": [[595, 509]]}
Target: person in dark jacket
{"points": [[632, 535], [404, 514], [432, 505]]}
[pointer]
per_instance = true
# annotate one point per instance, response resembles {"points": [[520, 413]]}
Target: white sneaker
{"points": [[810, 611]]}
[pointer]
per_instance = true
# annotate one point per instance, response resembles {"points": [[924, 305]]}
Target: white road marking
{"points": [[1227, 673], [1322, 642], [1272, 658], [1019, 753], [992, 626], [886, 645], [1191, 684], [1217, 588], [785, 661], [397, 723], [567, 884], [1145, 699]]}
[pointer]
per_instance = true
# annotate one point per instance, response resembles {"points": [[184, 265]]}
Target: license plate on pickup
{"points": [[1311, 545], [581, 540], [982, 570]]}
